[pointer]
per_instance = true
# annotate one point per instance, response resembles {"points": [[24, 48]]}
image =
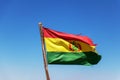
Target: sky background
{"points": [[20, 45]]}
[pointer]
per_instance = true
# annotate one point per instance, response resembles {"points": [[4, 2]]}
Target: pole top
{"points": [[40, 23]]}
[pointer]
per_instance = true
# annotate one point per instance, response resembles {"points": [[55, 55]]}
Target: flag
{"points": [[64, 48]]}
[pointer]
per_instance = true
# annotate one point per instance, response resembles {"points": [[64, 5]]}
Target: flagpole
{"points": [[44, 52]]}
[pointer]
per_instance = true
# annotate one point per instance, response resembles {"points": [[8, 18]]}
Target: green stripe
{"points": [[81, 58]]}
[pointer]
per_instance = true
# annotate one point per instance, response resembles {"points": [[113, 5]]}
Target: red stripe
{"points": [[48, 33]]}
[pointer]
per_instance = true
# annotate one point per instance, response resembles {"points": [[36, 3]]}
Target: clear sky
{"points": [[20, 46]]}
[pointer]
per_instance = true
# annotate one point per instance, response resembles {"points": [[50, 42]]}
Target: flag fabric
{"points": [[64, 48]]}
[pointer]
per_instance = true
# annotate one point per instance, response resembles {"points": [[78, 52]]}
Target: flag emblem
{"points": [[74, 46]]}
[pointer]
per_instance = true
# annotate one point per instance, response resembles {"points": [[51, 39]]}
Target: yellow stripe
{"points": [[61, 45]]}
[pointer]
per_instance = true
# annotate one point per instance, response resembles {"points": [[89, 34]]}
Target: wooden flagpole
{"points": [[44, 52]]}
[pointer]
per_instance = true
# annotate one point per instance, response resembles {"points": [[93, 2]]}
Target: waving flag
{"points": [[64, 48]]}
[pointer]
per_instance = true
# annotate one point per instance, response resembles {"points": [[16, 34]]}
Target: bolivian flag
{"points": [[64, 48]]}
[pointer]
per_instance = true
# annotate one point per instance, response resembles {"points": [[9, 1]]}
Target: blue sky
{"points": [[20, 46]]}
